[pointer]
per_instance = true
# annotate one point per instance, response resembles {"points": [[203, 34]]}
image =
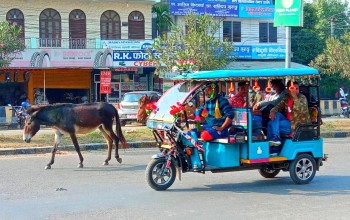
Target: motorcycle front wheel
{"points": [[158, 176]]}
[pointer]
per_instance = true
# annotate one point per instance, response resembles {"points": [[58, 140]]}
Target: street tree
{"points": [[196, 39], [306, 41], [10, 44], [335, 57], [163, 18]]}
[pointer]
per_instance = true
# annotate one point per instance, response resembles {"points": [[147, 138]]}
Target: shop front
{"points": [[124, 79], [13, 86], [60, 85]]}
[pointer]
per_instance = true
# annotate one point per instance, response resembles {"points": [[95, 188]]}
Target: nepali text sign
{"points": [[256, 11], [259, 52], [288, 13], [233, 8], [105, 82], [132, 59], [127, 44]]}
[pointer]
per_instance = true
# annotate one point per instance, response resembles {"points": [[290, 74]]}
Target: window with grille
{"points": [[50, 28], [77, 29], [232, 31], [110, 25], [267, 33], [136, 25], [16, 17]]}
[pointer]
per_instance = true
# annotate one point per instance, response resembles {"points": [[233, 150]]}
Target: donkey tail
{"points": [[119, 131]]}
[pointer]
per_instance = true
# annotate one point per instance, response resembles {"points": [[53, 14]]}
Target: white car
{"points": [[128, 107]]}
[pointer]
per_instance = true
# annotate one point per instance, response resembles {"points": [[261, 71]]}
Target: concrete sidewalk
{"points": [[103, 146]]}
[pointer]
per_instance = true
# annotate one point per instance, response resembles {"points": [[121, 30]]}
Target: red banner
{"points": [[105, 82]]}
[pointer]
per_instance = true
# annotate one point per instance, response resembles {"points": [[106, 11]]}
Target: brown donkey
{"points": [[76, 119]]}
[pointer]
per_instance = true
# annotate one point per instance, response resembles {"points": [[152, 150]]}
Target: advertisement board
{"points": [[289, 13], [105, 82], [132, 59], [260, 52], [224, 8]]}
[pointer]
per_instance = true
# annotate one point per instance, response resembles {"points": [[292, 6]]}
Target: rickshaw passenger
{"points": [[239, 100], [217, 113], [264, 107], [295, 112]]}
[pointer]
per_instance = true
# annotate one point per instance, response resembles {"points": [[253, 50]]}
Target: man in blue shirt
{"points": [[217, 113]]}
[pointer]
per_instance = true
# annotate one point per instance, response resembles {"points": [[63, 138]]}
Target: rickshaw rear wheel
{"points": [[302, 169], [269, 173], [158, 176]]}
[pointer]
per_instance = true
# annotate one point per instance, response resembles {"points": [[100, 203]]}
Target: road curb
{"points": [[100, 146], [83, 147]]}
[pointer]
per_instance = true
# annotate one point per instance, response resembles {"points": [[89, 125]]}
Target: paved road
{"points": [[119, 191]]}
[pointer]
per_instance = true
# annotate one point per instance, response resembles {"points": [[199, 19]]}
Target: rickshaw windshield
{"points": [[177, 93]]}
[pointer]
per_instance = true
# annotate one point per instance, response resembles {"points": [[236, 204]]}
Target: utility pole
{"points": [[332, 25], [288, 46]]}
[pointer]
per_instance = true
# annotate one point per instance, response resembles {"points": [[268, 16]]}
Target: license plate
{"points": [[131, 116]]}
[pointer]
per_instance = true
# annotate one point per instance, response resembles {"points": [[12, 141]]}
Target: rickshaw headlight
{"points": [[189, 151]]}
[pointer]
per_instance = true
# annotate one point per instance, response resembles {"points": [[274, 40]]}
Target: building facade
{"points": [[68, 42]]}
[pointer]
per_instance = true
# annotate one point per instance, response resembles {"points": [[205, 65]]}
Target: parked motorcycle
{"points": [[20, 114], [344, 107]]}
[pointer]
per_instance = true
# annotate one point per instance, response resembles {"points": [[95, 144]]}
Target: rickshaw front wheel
{"points": [[158, 176], [302, 169], [269, 173]]}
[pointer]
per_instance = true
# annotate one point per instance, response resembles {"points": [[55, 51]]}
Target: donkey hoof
{"points": [[47, 167], [119, 160], [105, 163], [80, 165]]}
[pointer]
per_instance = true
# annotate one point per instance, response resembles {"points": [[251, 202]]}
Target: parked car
{"points": [[128, 106]]}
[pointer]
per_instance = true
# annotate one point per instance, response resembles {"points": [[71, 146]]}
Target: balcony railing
{"points": [[65, 43]]}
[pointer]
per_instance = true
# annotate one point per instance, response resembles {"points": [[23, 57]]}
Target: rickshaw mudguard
{"points": [[291, 149]]}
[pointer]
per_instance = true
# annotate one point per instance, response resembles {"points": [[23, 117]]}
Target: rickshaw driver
{"points": [[217, 113]]}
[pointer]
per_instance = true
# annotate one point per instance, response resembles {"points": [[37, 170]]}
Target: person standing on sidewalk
{"points": [[295, 111]]}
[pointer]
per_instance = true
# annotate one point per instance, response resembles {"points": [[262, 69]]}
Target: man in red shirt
{"points": [[239, 100]]}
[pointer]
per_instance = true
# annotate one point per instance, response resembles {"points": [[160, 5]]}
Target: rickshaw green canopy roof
{"points": [[236, 75]]}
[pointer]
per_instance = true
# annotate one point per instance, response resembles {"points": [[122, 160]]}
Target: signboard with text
{"points": [[289, 13], [260, 52], [224, 8], [132, 59], [105, 82], [127, 44]]}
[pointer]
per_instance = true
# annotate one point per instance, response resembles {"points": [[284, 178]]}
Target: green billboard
{"points": [[288, 13]]}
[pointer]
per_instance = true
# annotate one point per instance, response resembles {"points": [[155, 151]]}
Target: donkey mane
{"points": [[37, 108]]}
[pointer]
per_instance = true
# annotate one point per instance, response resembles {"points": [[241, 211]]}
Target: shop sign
{"points": [[133, 59], [127, 44], [126, 69], [214, 8], [221, 8], [288, 13], [256, 11], [260, 52], [105, 82], [133, 86]]}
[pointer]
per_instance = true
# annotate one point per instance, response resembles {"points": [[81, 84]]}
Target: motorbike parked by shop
{"points": [[20, 114], [245, 148]]}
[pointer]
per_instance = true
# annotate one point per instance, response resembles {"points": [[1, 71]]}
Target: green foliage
{"points": [[197, 40], [9, 43], [335, 57], [163, 20], [306, 42], [326, 10]]}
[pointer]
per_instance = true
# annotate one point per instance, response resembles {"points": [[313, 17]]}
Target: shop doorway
{"points": [[75, 96]]}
